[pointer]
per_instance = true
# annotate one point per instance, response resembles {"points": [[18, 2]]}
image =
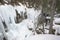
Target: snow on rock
{"points": [[1, 28], [12, 35], [23, 30], [7, 13], [23, 27], [33, 14], [21, 9], [30, 23]]}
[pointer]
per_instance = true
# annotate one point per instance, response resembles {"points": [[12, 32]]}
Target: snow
{"points": [[32, 13], [57, 20], [1, 36], [15, 29], [44, 37], [1, 29], [48, 17], [6, 12], [56, 26], [12, 34], [20, 8], [21, 30]]}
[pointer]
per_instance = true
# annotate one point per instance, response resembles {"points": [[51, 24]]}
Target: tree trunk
{"points": [[52, 16]]}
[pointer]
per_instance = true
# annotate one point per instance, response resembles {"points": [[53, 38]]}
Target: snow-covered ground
{"points": [[44, 37]]}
